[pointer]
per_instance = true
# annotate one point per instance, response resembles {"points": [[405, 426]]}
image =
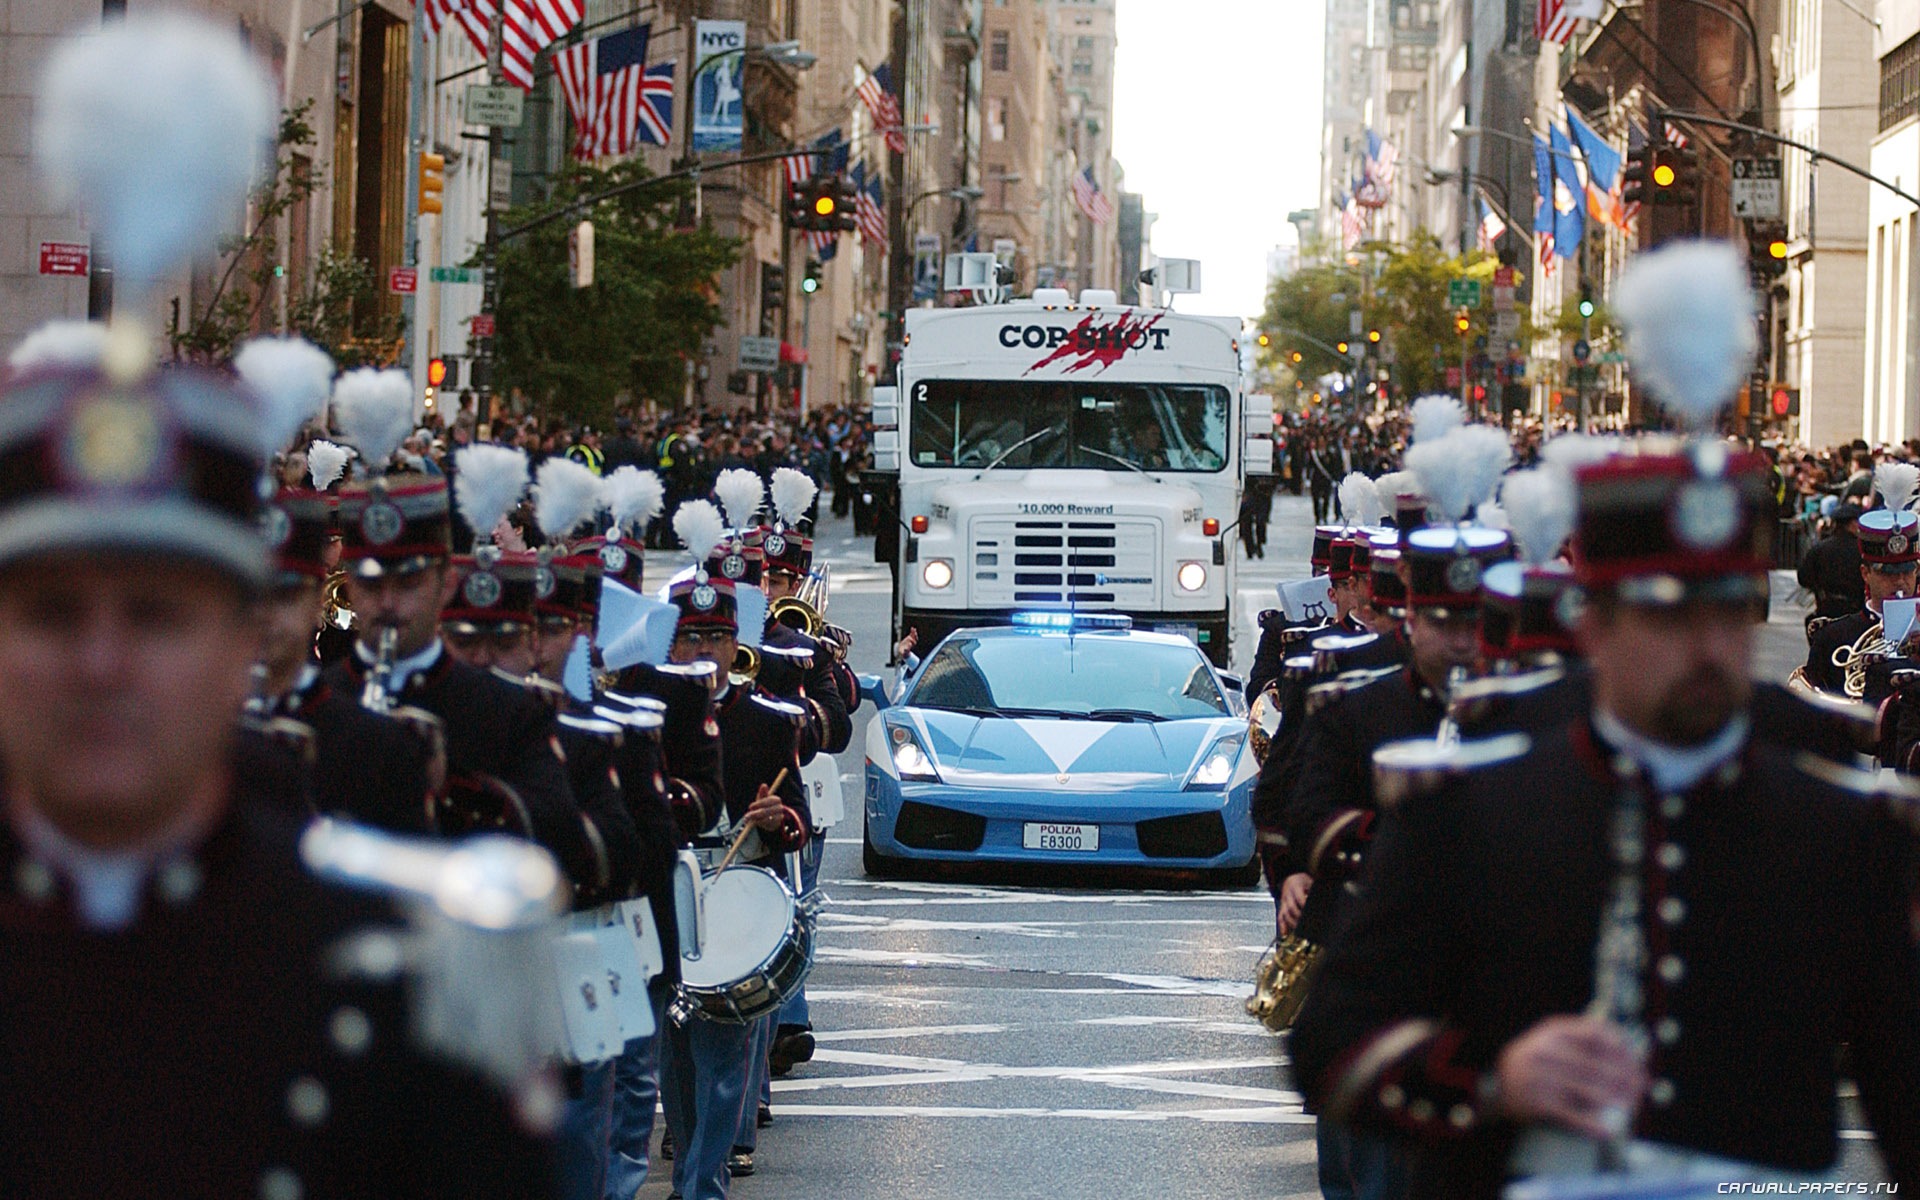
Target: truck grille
{"points": [[1036, 560]]}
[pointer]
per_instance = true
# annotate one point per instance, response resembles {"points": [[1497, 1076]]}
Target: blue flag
{"points": [[1569, 197]]}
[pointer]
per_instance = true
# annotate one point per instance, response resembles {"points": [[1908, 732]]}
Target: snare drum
{"points": [[758, 950]]}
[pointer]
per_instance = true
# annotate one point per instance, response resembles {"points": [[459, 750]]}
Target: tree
{"points": [[650, 309], [341, 286]]}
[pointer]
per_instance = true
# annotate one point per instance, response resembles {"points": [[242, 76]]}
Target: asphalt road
{"points": [[982, 1040]]}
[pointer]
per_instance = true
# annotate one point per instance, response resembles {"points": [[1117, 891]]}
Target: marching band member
{"points": [[1552, 969], [1889, 540], [169, 1022], [400, 578], [707, 1085], [789, 561]]}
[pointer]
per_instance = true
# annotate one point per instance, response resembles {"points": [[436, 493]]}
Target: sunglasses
{"points": [[507, 635]]}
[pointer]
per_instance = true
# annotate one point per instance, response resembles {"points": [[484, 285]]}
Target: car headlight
{"points": [[1217, 767], [937, 574], [909, 760], [1191, 577]]}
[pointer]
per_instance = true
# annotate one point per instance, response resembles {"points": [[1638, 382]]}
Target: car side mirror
{"points": [[875, 690]]}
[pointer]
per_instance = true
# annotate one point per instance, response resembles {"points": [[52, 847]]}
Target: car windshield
{"points": [[1027, 424], [1049, 675]]}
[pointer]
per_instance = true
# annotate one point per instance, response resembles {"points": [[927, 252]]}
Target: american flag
{"points": [[1674, 136], [1092, 201], [1553, 22], [1381, 157], [527, 27], [1491, 227], [1353, 224], [616, 100], [869, 206], [876, 92]]}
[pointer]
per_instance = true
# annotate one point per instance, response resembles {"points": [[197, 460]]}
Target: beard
{"points": [[1698, 706]]}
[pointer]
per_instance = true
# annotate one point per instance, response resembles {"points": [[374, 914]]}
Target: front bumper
{"points": [[1177, 830]]}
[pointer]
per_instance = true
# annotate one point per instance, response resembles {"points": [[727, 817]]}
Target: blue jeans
{"points": [[704, 1072], [759, 1084], [584, 1127], [1358, 1166], [794, 1011], [636, 1095]]}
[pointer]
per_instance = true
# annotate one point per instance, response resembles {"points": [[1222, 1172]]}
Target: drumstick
{"points": [[746, 829]]}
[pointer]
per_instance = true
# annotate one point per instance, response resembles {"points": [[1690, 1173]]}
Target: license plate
{"points": [[1061, 837], [1190, 632]]}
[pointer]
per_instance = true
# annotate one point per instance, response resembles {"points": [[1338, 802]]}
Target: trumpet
{"points": [[746, 667], [336, 614]]}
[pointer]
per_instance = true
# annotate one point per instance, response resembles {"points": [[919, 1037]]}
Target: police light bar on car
{"points": [[1071, 620]]}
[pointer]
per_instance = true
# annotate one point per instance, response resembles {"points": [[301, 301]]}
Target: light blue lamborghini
{"points": [[1063, 740]]}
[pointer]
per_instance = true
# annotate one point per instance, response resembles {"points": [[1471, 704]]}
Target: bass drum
{"points": [[758, 949]]}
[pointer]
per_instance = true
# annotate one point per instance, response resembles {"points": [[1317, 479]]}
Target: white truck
{"points": [[1056, 454]]}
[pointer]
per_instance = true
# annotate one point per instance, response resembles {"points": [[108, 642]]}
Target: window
{"points": [[1070, 676], [1083, 43], [998, 50], [1082, 67], [996, 119], [1900, 83], [1029, 424]]}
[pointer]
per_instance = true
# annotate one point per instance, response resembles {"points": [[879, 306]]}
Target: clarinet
{"points": [[377, 695]]}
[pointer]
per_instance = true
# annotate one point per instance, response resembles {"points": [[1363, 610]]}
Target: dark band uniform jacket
{"points": [[366, 767], [1480, 915], [689, 742], [207, 1050], [760, 734]]}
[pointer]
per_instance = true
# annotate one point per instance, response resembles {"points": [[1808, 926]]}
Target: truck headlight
{"points": [[1217, 767], [1192, 576], [937, 574]]}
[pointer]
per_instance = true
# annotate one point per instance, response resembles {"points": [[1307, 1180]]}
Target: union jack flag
{"points": [[869, 207], [526, 28], [876, 92], [616, 100], [1091, 200]]}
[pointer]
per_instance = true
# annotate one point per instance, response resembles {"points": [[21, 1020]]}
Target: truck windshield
{"points": [[1088, 424]]}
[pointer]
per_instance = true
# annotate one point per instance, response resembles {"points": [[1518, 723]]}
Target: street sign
{"points": [[1581, 351], [482, 325], [497, 106], [1463, 293], [453, 274], [1502, 298], [63, 258], [1503, 277], [1506, 324], [1453, 378], [403, 280], [759, 353], [1756, 188], [500, 181]]}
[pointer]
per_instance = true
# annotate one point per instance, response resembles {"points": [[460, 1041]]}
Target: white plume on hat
{"points": [[61, 344], [741, 494], [326, 462], [1396, 484], [291, 376], [565, 493], [1540, 511], [634, 497], [1461, 469], [1360, 500], [793, 494], [1689, 316], [373, 409], [1571, 451], [1435, 416], [487, 483], [1896, 482], [700, 527], [156, 126]]}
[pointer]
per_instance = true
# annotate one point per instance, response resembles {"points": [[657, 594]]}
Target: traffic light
{"points": [[436, 372], [1340, 346], [1296, 356], [773, 285], [1373, 335], [1265, 339], [1785, 401], [800, 205], [846, 214], [433, 181], [1586, 304], [1766, 250], [810, 283], [1463, 324], [1674, 174], [1633, 175]]}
